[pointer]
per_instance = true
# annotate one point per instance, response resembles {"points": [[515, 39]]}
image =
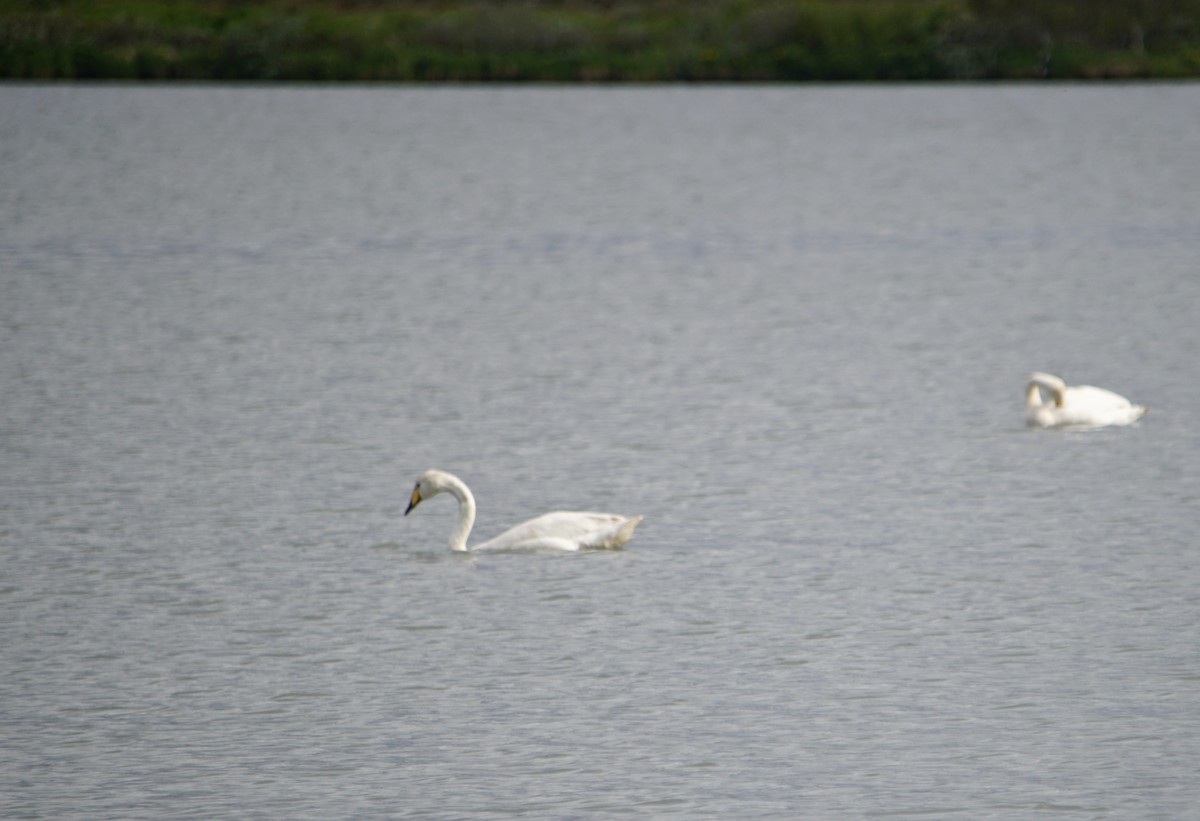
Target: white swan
{"points": [[550, 531], [1076, 405]]}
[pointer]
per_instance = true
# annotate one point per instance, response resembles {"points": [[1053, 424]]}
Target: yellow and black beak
{"points": [[414, 501]]}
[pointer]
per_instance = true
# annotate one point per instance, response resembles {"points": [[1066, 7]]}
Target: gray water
{"points": [[791, 326]]}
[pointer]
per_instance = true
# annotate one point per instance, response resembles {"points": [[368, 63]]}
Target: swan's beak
{"points": [[414, 501]]}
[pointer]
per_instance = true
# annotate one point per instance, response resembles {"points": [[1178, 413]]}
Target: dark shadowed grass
{"points": [[581, 40]]}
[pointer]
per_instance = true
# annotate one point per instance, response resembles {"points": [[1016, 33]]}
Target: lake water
{"points": [[791, 326]]}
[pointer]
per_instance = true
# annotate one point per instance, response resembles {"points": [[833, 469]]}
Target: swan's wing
{"points": [[1089, 405], [1087, 396], [564, 530]]}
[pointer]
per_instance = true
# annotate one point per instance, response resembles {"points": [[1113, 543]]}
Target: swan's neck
{"points": [[1050, 384], [466, 514], [1033, 397]]}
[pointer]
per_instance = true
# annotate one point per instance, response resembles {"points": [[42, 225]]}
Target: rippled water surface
{"points": [[791, 326]]}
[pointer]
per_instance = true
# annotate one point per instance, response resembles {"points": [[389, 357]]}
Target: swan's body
{"points": [[561, 530], [1081, 405]]}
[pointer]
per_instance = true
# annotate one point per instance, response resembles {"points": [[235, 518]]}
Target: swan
{"points": [[551, 531], [1076, 405]]}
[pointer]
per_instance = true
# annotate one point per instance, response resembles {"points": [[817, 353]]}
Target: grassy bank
{"points": [[598, 40]]}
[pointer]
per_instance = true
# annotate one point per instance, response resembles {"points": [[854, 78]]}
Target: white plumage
{"points": [[561, 530], [1050, 402]]}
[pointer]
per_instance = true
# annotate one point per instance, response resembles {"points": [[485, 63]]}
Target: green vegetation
{"points": [[598, 40]]}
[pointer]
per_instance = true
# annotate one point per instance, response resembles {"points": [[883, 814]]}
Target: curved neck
{"points": [[1033, 398], [466, 513], [1050, 384]]}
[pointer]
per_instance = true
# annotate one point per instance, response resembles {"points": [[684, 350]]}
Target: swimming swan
{"points": [[550, 531], [1078, 405]]}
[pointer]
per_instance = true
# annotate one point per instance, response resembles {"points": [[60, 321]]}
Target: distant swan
{"points": [[1078, 405], [551, 531]]}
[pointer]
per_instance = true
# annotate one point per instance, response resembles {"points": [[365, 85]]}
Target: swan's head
{"points": [[429, 484]]}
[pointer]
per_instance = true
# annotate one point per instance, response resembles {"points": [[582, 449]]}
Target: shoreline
{"points": [[578, 41]]}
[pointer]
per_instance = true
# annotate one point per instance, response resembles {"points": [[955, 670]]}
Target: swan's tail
{"points": [[615, 536]]}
